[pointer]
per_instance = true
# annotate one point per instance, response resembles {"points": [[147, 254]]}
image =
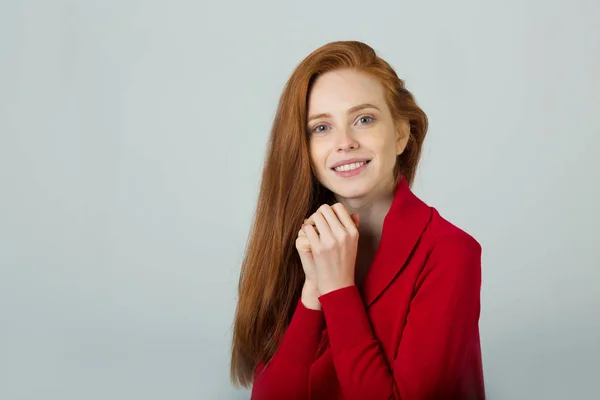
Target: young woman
{"points": [[352, 287]]}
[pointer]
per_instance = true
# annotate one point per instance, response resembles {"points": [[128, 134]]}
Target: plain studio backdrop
{"points": [[132, 136]]}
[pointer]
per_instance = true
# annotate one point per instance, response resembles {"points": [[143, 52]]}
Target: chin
{"points": [[351, 190]]}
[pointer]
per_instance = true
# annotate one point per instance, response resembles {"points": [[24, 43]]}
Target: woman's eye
{"points": [[366, 119], [317, 130]]}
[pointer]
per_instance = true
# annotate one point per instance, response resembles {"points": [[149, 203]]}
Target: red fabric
{"points": [[409, 332]]}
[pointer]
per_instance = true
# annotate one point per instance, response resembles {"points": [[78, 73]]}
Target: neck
{"points": [[372, 210]]}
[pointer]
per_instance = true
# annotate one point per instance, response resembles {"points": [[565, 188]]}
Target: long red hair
{"points": [[271, 277]]}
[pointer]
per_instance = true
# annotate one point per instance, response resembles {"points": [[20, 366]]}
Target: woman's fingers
{"points": [[306, 257], [323, 228], [336, 226], [302, 243], [356, 219], [344, 217], [311, 236], [309, 221], [337, 220]]}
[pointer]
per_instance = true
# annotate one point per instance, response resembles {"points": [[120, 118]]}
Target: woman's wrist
{"points": [[310, 296]]}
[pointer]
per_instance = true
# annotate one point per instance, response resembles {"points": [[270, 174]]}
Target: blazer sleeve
{"points": [[286, 376], [441, 328]]}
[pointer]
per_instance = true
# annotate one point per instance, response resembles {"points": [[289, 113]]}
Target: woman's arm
{"points": [[287, 375], [442, 324]]}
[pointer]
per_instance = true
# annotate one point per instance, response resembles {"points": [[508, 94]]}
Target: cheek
{"points": [[386, 151], [382, 145], [318, 156]]}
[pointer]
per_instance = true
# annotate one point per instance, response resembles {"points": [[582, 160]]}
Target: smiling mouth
{"points": [[350, 167]]}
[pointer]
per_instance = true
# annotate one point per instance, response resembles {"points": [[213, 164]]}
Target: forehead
{"points": [[336, 91]]}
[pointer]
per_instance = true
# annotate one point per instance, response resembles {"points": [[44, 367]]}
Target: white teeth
{"points": [[349, 167]]}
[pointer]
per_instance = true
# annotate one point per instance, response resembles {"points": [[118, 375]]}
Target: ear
{"points": [[402, 135]]}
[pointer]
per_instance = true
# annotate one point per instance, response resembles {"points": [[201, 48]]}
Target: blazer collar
{"points": [[403, 226]]}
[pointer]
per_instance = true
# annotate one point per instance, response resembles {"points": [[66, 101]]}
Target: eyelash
{"points": [[314, 129]]}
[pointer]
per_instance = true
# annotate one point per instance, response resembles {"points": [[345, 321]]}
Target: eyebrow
{"points": [[350, 111]]}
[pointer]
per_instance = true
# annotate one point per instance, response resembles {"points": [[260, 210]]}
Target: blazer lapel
{"points": [[402, 228]]}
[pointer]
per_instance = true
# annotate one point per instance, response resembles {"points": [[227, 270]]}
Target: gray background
{"points": [[132, 135]]}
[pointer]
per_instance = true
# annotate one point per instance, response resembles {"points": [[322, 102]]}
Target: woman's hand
{"points": [[332, 237], [310, 291], [306, 257]]}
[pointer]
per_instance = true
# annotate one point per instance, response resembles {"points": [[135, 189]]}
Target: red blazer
{"points": [[409, 332]]}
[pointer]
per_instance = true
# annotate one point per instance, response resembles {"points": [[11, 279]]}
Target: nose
{"points": [[346, 142]]}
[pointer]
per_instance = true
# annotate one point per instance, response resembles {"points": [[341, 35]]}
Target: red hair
{"points": [[271, 277]]}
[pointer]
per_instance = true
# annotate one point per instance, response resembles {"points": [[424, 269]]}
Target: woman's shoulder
{"points": [[452, 256], [445, 236]]}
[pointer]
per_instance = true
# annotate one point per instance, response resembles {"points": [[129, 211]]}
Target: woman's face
{"points": [[353, 139]]}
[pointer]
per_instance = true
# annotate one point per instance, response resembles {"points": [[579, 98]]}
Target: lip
{"points": [[349, 161], [352, 173]]}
